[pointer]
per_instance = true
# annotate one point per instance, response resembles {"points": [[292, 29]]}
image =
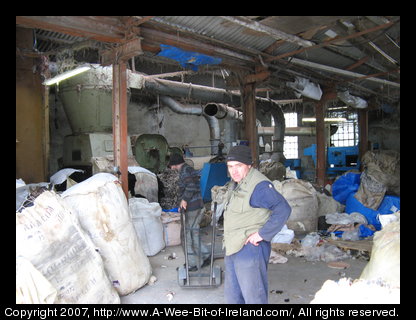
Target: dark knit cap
{"points": [[241, 154], [175, 159]]}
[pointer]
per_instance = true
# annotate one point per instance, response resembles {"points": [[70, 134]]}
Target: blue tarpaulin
{"points": [[389, 205], [345, 185], [187, 59]]}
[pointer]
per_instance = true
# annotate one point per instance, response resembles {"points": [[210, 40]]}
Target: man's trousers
{"points": [[246, 278]]}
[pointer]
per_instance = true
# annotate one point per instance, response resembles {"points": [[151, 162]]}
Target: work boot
{"points": [[206, 262], [192, 268]]}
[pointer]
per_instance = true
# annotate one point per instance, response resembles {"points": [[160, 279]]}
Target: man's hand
{"points": [[183, 204], [254, 239]]}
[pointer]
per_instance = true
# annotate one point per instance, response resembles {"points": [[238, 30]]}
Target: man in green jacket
{"points": [[253, 214]]}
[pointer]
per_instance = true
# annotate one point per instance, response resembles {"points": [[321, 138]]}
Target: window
{"points": [[290, 146], [347, 132]]}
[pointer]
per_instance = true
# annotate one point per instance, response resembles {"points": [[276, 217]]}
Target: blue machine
{"points": [[212, 174], [339, 159]]}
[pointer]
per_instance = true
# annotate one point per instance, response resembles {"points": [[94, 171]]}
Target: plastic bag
{"points": [[310, 240], [353, 101], [305, 88], [351, 235], [284, 236]]}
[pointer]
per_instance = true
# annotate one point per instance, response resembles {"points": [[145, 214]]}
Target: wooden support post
{"points": [[120, 122], [363, 132], [320, 143], [320, 136], [248, 96], [118, 57], [249, 118]]}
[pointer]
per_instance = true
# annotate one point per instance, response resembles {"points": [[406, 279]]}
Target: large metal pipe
{"points": [[194, 109], [180, 108], [222, 111], [291, 131], [178, 89], [212, 95]]}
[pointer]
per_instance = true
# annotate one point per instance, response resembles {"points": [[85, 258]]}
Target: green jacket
{"points": [[240, 219]]}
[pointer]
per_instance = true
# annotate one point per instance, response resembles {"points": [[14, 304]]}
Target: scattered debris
{"points": [[338, 265], [277, 258], [276, 291], [172, 256], [170, 295], [152, 280]]}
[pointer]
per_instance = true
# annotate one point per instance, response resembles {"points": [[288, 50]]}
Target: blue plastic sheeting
{"points": [[364, 232], [187, 59], [171, 210], [345, 185], [389, 205]]}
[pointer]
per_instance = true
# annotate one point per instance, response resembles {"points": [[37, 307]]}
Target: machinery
{"points": [[339, 159], [152, 152]]}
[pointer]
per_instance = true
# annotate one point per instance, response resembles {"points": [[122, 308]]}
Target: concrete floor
{"points": [[293, 282]]}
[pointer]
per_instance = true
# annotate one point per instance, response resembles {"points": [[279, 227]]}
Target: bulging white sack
{"points": [[31, 285], [49, 236], [147, 223], [384, 264], [303, 200], [103, 212]]}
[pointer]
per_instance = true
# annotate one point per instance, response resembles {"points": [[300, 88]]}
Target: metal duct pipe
{"points": [[174, 88], [222, 111], [291, 131], [214, 133], [193, 109], [215, 95], [180, 108]]}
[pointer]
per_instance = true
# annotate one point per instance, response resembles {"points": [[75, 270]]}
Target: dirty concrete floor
{"points": [[293, 282]]}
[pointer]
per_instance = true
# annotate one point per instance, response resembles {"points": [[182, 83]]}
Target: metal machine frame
{"points": [[185, 276]]}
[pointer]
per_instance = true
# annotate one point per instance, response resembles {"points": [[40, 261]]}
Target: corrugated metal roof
{"points": [[219, 29], [246, 45]]}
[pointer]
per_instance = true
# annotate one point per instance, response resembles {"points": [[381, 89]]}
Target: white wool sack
{"points": [[360, 291], [103, 212], [147, 223], [303, 200], [50, 238], [384, 262]]}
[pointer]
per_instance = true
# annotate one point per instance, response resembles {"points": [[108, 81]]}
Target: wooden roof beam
{"points": [[328, 42]]}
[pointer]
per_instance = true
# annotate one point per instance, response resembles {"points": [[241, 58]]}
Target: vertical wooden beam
{"points": [[46, 134], [120, 122], [320, 136], [249, 118], [363, 132], [320, 142]]}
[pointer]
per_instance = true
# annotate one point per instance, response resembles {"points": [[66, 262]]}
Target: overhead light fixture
{"points": [[325, 119], [66, 75]]}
